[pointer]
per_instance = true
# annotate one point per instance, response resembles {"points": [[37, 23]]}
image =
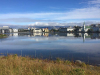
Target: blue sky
{"points": [[49, 12]]}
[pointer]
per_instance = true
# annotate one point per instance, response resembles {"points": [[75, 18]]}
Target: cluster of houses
{"points": [[91, 28], [7, 29]]}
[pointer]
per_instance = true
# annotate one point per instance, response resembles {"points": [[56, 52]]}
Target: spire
{"points": [[84, 22], [84, 26]]}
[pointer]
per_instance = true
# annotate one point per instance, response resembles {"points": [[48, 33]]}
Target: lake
{"points": [[67, 46]]}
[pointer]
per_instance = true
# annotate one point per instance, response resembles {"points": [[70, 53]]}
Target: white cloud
{"points": [[87, 14], [94, 2], [46, 24], [62, 24], [84, 13], [29, 15]]}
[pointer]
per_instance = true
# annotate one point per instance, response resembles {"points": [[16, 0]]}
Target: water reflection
{"points": [[71, 35], [76, 46]]}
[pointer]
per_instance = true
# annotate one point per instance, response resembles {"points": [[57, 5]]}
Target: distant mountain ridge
{"points": [[25, 26]]}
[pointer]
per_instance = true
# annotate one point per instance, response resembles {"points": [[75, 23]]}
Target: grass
{"points": [[17, 65], [3, 35]]}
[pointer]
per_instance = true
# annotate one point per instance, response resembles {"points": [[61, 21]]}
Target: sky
{"points": [[49, 12]]}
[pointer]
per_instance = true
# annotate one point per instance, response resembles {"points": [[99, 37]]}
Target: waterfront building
{"points": [[68, 29], [15, 30], [5, 29], [37, 30], [80, 29], [95, 27], [83, 28], [62, 29], [45, 30], [10, 30]]}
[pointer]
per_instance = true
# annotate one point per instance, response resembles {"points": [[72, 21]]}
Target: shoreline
{"points": [[3, 36]]}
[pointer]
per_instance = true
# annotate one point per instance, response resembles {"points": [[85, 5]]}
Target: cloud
{"points": [[30, 15], [62, 24], [50, 24], [84, 13], [24, 20], [79, 15], [95, 3]]}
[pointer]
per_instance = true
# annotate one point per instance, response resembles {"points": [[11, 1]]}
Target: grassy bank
{"points": [[14, 65], [3, 35]]}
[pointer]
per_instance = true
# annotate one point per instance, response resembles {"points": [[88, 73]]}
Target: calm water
{"points": [[84, 47]]}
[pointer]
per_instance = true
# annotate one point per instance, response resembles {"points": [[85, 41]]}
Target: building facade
{"points": [[37, 30], [45, 30]]}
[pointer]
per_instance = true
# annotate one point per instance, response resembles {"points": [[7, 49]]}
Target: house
{"points": [[62, 29], [37, 30], [95, 27], [5, 29], [70, 29], [15, 30], [80, 29], [10, 30], [45, 30], [67, 29]]}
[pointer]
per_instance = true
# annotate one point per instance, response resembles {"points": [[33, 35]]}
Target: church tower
{"points": [[84, 27]]}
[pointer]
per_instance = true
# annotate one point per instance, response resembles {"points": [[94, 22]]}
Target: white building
{"points": [[84, 28], [37, 30], [4, 29], [15, 30], [70, 29], [66, 29], [10, 30]]}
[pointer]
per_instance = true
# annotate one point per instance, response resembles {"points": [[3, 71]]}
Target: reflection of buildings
{"points": [[95, 36], [37, 34], [85, 35], [70, 35], [66, 34], [15, 34], [95, 27], [46, 34]]}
